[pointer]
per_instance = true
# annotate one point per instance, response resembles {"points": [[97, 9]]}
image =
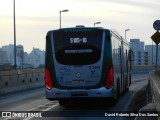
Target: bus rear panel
{"points": [[74, 63], [79, 64]]}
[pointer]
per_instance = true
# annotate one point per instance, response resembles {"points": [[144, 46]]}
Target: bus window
{"points": [[77, 48]]}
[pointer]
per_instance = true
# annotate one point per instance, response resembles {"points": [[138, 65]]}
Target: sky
{"points": [[34, 18]]}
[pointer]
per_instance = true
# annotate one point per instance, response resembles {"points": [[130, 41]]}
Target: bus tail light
{"points": [[48, 81], [110, 79]]}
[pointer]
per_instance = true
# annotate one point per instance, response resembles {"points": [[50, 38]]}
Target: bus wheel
{"points": [[127, 89], [116, 92], [118, 87], [63, 103], [130, 80]]}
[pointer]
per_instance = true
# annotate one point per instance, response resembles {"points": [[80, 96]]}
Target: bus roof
{"points": [[80, 28]]}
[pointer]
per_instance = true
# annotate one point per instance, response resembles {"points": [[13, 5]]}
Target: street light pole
{"points": [[60, 19], [14, 21], [97, 23], [126, 31], [60, 15]]}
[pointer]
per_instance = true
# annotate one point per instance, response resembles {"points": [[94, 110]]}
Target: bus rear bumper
{"points": [[57, 94]]}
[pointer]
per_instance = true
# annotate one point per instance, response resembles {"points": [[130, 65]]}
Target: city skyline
{"points": [[35, 17], [35, 58], [143, 55], [23, 47]]}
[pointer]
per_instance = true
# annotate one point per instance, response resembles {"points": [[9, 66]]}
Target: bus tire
{"points": [[63, 103], [130, 80], [116, 92], [127, 89], [118, 87]]}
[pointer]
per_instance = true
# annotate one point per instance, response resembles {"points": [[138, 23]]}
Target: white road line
{"points": [[47, 109], [37, 107]]}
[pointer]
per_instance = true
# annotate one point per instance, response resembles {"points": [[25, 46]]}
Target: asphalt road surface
{"points": [[34, 100]]}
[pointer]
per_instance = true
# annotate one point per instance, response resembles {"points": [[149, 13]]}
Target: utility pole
{"points": [[14, 21]]}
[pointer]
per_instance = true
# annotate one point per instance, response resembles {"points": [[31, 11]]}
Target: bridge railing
{"points": [[17, 80], [153, 97]]}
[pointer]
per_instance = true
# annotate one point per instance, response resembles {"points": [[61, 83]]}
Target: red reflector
{"points": [[110, 79], [48, 82]]}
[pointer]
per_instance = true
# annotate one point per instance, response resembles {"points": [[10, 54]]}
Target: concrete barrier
{"points": [[153, 97], [17, 80], [142, 69]]}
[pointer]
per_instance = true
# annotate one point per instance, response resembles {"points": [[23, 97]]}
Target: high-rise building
{"points": [[9, 49], [138, 49], [37, 57], [9, 52], [3, 58], [20, 56], [151, 49], [23, 60]]}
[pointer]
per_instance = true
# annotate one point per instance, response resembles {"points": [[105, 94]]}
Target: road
{"points": [[34, 100]]}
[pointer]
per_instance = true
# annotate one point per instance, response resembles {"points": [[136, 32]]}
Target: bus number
{"points": [[78, 40]]}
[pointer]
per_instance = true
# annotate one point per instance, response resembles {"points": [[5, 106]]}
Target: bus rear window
{"points": [[77, 47]]}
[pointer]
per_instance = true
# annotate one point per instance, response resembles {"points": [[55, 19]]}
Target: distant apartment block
{"points": [[144, 54], [146, 58], [37, 57], [3, 58], [9, 49], [20, 58], [138, 49], [23, 59], [151, 49]]}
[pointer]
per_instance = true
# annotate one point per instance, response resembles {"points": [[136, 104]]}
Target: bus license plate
{"points": [[78, 82]]}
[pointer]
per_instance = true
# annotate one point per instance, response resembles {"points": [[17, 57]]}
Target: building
{"points": [[138, 49], [3, 58], [37, 57], [146, 58], [23, 60], [26, 59], [20, 56], [9, 53], [151, 49]]}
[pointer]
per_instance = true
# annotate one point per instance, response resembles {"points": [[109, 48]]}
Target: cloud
{"points": [[35, 17], [150, 4]]}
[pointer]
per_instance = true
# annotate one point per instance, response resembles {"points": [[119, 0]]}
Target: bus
{"points": [[86, 63]]}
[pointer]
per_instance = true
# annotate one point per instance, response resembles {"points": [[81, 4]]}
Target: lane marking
{"points": [[47, 109]]}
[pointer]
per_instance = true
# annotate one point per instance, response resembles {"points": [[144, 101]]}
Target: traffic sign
{"points": [[156, 25], [156, 37]]}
